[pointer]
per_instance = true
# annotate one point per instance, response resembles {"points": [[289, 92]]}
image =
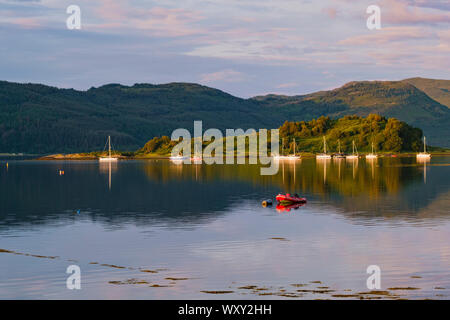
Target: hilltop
{"points": [[438, 90], [35, 118]]}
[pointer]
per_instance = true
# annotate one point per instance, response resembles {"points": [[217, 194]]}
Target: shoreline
{"points": [[81, 157]]}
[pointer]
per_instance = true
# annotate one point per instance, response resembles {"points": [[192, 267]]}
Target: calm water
{"points": [[191, 228]]}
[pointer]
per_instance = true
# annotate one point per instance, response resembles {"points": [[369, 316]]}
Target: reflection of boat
{"points": [[109, 158], [324, 155], [354, 154], [197, 159], [290, 198], [424, 154], [287, 208]]}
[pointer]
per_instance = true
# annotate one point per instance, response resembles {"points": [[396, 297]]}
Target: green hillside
{"points": [[387, 135], [36, 118], [41, 119], [438, 90]]}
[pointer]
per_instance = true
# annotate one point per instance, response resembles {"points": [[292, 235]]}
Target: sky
{"points": [[243, 47]]}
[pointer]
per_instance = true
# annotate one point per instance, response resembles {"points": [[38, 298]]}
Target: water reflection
{"points": [[148, 192], [108, 167]]}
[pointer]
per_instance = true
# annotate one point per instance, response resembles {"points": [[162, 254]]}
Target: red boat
{"points": [[290, 198]]}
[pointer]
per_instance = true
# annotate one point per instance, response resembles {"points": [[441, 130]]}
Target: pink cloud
{"points": [[391, 34], [402, 11], [331, 12], [157, 20], [26, 23], [228, 75]]}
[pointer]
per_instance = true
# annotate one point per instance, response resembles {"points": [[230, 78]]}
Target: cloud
{"points": [[408, 12], [391, 34], [287, 85], [158, 21], [223, 76], [330, 12]]}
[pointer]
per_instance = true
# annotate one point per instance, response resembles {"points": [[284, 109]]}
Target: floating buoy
{"points": [[266, 203]]}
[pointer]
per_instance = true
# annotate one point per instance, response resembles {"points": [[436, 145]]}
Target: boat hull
{"points": [[287, 198]]}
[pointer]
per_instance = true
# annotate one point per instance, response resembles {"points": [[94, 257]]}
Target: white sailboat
{"points": [[424, 154], [288, 157], [109, 158], [354, 154], [339, 155], [324, 155], [178, 159], [371, 155]]}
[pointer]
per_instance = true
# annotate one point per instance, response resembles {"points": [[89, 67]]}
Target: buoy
{"points": [[266, 203]]}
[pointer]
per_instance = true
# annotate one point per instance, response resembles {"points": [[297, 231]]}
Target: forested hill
{"points": [[387, 135], [36, 118]]}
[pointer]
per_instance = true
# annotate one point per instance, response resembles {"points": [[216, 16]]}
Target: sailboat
{"points": [[109, 158], [371, 155], [354, 154], [293, 156], [424, 154], [324, 155], [288, 157], [339, 155]]}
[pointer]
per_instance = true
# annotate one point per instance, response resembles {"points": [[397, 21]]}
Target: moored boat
{"points": [[290, 198], [324, 155], [109, 158], [424, 154]]}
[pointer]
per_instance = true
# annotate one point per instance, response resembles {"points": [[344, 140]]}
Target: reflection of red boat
{"points": [[290, 198], [287, 208]]}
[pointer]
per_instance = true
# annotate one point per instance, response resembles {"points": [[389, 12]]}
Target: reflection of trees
{"points": [[337, 176]]}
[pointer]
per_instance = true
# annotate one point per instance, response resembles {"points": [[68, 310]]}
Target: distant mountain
{"points": [[396, 99], [439, 90], [35, 118]]}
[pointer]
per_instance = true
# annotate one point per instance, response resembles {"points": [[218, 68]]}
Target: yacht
{"points": [[339, 155], [108, 158], [354, 154], [324, 155], [371, 155], [424, 154]]}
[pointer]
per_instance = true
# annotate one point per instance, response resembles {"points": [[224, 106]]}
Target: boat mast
{"points": [[339, 145], [424, 145], [109, 145], [324, 145]]}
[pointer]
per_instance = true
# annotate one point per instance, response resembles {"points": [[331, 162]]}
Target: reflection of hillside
{"points": [[152, 192]]}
